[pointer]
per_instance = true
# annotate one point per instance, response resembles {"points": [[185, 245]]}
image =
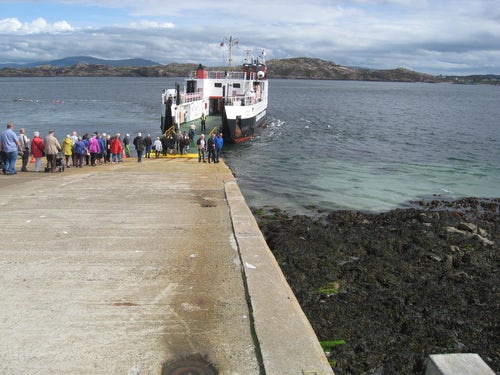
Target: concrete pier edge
{"points": [[287, 342]]}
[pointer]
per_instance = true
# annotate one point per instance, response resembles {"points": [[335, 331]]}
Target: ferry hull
{"points": [[240, 126]]}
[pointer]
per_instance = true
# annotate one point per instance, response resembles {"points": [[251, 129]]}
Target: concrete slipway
{"points": [[132, 268]]}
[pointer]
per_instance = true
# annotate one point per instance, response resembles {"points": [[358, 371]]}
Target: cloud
{"points": [[455, 36], [145, 24], [37, 26]]}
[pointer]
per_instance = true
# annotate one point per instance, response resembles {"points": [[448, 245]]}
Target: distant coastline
{"points": [[292, 68]]}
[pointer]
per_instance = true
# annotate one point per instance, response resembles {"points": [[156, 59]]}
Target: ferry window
{"points": [[218, 84], [236, 85], [190, 87]]}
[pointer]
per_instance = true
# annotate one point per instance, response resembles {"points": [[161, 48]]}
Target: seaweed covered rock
{"points": [[395, 286]]}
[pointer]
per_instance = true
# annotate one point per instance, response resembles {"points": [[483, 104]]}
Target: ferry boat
{"points": [[238, 97]]}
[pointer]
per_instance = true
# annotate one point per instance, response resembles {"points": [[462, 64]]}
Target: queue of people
{"points": [[95, 149], [73, 151]]}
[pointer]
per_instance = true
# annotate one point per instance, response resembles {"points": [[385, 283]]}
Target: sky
{"points": [[430, 36]]}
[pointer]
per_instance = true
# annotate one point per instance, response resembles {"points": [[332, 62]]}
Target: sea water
{"points": [[370, 146]]}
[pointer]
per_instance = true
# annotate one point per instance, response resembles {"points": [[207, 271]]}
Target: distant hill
{"points": [[74, 60], [292, 68], [310, 68]]}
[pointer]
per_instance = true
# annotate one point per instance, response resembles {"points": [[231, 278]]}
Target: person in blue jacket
{"points": [[10, 147], [219, 142]]}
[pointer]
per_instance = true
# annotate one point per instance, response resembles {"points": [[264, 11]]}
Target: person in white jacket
{"points": [[157, 146]]}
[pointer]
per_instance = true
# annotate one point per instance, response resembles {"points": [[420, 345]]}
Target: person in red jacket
{"points": [[116, 149], [37, 150]]}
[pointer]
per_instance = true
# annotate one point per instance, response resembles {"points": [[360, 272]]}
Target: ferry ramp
{"points": [[143, 268]]}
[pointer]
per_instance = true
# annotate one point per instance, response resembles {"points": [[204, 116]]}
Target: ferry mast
{"points": [[230, 43]]}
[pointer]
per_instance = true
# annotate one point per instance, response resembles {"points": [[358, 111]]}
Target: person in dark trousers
{"points": [[25, 147], [148, 143], [211, 148], [201, 148], [219, 142], [139, 146], [203, 123], [52, 148]]}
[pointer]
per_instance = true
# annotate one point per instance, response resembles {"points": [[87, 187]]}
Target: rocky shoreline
{"points": [[389, 289]]}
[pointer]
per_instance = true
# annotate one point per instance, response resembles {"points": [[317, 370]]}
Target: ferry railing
{"points": [[170, 130], [209, 74], [242, 100], [219, 74], [192, 97]]}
